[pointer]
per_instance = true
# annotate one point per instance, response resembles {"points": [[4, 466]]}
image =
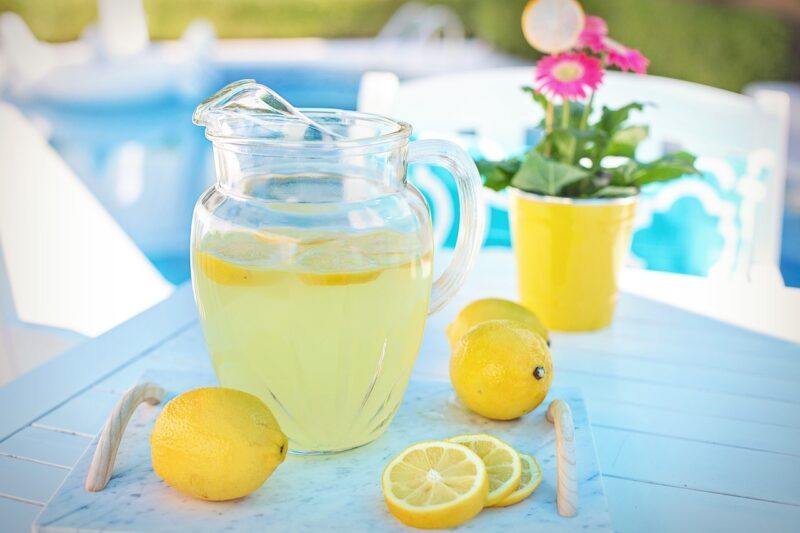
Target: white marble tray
{"points": [[335, 493]]}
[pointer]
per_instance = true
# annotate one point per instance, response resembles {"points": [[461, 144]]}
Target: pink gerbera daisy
{"points": [[569, 75], [595, 37], [624, 58], [594, 31]]}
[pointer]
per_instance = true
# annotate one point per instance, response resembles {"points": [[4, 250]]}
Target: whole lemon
{"points": [[501, 369], [492, 309], [216, 444]]}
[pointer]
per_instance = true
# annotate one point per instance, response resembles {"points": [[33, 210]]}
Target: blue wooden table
{"points": [[696, 422]]}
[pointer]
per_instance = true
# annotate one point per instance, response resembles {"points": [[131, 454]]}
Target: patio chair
{"points": [[790, 249], [741, 142], [67, 264], [377, 92], [24, 346]]}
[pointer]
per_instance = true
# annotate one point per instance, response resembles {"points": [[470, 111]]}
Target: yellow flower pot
{"points": [[569, 254]]}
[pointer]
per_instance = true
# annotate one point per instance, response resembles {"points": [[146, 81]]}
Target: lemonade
{"points": [[323, 327]]}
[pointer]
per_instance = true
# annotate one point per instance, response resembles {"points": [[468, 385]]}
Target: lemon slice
{"points": [[285, 235], [502, 463], [227, 273], [552, 26], [334, 265], [345, 278], [238, 258], [531, 477], [435, 485]]}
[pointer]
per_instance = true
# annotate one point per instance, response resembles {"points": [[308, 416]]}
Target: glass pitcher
{"points": [[312, 263]]}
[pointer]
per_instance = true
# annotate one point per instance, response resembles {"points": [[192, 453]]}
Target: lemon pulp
{"points": [[435, 485], [503, 464], [323, 327], [529, 481]]}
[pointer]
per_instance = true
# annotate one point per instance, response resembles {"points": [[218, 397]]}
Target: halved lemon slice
{"points": [[435, 485], [344, 278], [237, 258], [335, 264], [552, 26], [530, 480], [502, 463], [228, 273]]}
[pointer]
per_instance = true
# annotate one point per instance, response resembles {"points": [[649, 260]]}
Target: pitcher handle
{"points": [[452, 158]]}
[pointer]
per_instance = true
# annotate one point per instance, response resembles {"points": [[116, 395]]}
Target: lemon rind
{"points": [[513, 482], [523, 492], [443, 515]]}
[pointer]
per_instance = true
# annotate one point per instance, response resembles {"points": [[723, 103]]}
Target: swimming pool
{"points": [[147, 163]]}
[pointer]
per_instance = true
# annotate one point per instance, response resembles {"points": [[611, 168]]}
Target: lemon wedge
{"points": [[435, 484], [552, 26], [529, 482], [502, 464]]}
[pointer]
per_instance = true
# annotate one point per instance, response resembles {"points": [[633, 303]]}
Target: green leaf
{"points": [[573, 144], [625, 141], [544, 176], [575, 110], [538, 97], [497, 174], [613, 191], [612, 120], [669, 167], [575, 114], [623, 175]]}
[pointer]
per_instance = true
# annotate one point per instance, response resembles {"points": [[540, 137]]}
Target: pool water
{"points": [[147, 163]]}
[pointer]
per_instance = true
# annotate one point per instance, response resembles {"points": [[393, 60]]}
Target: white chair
{"points": [[790, 251], [377, 92], [67, 264], [24, 346], [707, 121]]}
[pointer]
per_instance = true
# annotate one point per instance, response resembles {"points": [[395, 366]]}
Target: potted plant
{"points": [[572, 197]]}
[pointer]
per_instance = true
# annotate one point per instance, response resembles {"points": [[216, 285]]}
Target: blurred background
{"points": [[101, 160]]}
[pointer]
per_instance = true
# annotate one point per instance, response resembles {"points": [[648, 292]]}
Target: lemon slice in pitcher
{"points": [[238, 258], [435, 485], [502, 464], [334, 265], [552, 26], [529, 482]]}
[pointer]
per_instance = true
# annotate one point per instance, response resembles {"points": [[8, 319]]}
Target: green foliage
{"points": [[668, 167], [54, 20], [724, 46], [703, 41], [570, 145], [626, 140], [570, 159], [272, 18], [612, 119], [64, 20], [615, 191], [546, 176], [497, 175]]}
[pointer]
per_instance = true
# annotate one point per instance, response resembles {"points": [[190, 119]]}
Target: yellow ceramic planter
{"points": [[569, 254]]}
